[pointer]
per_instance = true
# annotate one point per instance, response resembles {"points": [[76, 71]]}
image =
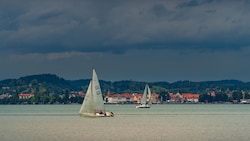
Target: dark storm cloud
{"points": [[192, 3], [118, 26]]}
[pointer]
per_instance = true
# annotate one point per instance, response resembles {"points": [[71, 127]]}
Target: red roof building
{"points": [[190, 96], [25, 96]]}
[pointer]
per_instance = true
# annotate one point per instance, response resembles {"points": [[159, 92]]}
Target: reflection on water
{"points": [[160, 122]]}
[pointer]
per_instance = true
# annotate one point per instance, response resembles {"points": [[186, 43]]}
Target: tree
{"points": [[221, 97], [14, 100], [66, 96], [207, 98], [237, 95]]}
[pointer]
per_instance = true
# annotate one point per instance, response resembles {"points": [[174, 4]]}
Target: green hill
{"points": [[52, 83]]}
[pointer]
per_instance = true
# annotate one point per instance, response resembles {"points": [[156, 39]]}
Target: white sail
{"points": [[144, 103], [150, 96], [97, 93], [144, 97], [88, 103], [93, 105]]}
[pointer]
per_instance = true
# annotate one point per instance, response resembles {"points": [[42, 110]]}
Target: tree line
{"points": [[50, 89]]}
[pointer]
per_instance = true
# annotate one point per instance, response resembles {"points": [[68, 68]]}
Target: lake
{"points": [[169, 122]]}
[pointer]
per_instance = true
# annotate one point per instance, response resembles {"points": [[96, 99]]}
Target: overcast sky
{"points": [[142, 40]]}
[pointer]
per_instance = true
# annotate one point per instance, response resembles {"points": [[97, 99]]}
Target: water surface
{"points": [[159, 123]]}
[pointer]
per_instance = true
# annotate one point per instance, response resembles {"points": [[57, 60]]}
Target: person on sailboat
{"points": [[111, 114]]}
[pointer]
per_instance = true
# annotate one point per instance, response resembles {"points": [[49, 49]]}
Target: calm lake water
{"points": [[159, 123]]}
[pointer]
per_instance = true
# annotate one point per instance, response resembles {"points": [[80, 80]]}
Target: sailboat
{"points": [[144, 103], [93, 105]]}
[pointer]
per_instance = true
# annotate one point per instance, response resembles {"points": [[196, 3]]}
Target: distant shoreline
{"points": [[135, 104]]}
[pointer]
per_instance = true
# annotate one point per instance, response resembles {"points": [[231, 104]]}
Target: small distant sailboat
{"points": [[144, 103], [93, 105]]}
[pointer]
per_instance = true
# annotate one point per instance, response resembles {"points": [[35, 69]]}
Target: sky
{"points": [[140, 40]]}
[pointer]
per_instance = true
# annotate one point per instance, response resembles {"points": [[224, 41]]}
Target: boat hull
{"points": [[142, 106], [97, 115]]}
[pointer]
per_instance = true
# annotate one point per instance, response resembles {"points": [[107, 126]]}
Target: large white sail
{"points": [[88, 103], [97, 93]]}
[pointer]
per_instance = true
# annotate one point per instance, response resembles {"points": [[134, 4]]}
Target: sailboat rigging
{"points": [[93, 105], [144, 103]]}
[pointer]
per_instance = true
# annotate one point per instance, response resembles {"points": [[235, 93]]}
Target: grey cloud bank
{"points": [[142, 40]]}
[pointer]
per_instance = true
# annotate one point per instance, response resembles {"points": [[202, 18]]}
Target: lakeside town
{"points": [[51, 89], [126, 98]]}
